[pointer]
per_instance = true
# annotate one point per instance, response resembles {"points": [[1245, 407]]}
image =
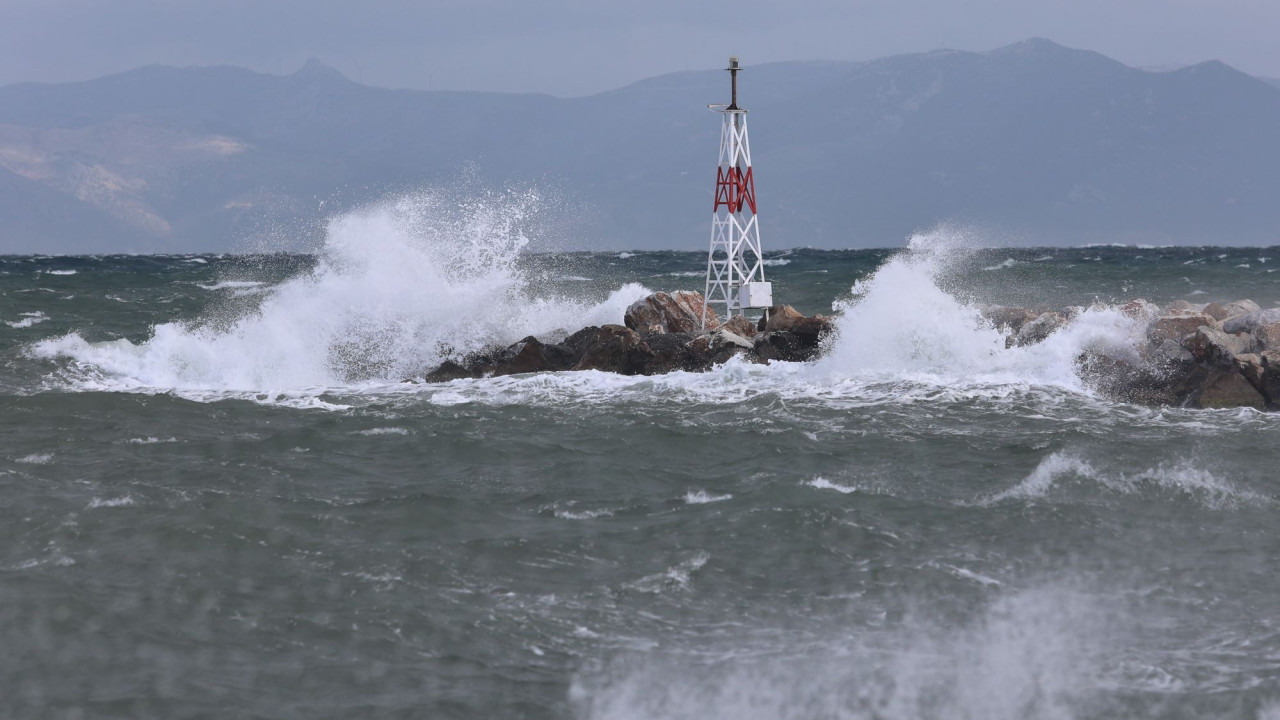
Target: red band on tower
{"points": [[735, 189]]}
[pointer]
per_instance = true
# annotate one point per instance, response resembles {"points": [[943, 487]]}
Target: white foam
{"points": [[676, 577], [383, 431], [822, 483], [110, 502], [35, 459], [564, 514], [702, 497], [151, 440]]}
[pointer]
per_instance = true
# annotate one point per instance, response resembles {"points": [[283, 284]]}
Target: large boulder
{"points": [[723, 337], [528, 356], [1216, 347], [700, 352], [1217, 311], [1270, 382], [810, 331], [668, 352], [450, 370], [739, 325], [1252, 368], [1176, 325], [677, 312], [1240, 307], [778, 317], [1168, 375], [1039, 329], [1140, 309], [1268, 336], [1228, 388], [613, 348], [1248, 322], [1009, 319], [802, 337]]}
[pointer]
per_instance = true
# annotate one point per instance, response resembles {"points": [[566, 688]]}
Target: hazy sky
{"points": [[575, 47]]}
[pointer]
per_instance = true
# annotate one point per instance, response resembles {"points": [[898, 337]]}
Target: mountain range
{"points": [[1032, 143]]}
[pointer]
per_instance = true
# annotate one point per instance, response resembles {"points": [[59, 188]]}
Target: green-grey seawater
{"points": [[218, 498]]}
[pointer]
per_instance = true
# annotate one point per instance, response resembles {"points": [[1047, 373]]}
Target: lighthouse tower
{"points": [[735, 266]]}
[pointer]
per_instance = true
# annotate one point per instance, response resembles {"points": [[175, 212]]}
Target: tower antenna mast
{"points": [[735, 264]]}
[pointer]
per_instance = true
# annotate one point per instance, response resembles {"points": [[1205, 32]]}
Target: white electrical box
{"points": [[756, 295]]}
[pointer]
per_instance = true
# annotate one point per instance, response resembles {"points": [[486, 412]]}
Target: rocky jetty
{"points": [[661, 333], [1201, 356]]}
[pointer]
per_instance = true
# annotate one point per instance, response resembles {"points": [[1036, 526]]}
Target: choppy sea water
{"points": [[218, 498]]}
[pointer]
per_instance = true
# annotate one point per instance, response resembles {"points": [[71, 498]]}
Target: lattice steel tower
{"points": [[735, 266]]}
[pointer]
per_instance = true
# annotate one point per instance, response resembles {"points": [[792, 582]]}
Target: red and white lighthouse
{"points": [[735, 265]]}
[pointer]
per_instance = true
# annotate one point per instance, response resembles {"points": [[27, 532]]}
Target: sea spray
{"points": [[1037, 653], [904, 322], [398, 288]]}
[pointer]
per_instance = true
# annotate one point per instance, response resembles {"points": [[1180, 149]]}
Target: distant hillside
{"points": [[1037, 142]]}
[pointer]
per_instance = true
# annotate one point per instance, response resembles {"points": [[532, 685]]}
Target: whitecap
{"points": [[676, 577], [231, 285], [1186, 479], [1046, 475], [822, 483], [702, 497], [110, 502], [382, 431], [564, 514], [28, 319]]}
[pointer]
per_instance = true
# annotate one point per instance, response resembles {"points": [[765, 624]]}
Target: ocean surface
{"points": [[220, 498]]}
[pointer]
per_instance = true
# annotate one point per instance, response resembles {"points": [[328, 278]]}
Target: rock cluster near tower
{"points": [[1210, 356], [1219, 355], [661, 333]]}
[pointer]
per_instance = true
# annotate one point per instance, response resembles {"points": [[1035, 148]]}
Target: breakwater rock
{"points": [[1202, 356], [661, 333]]}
